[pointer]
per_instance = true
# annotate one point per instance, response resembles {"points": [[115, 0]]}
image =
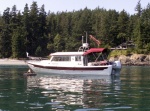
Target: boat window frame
{"points": [[78, 58], [64, 58]]}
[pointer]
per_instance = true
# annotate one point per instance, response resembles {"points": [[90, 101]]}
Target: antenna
{"points": [[82, 39], [84, 46], [86, 36]]}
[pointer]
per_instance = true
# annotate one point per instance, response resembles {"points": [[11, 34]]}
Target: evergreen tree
{"points": [[123, 20], [5, 35], [58, 43], [51, 31], [145, 27], [113, 29], [26, 27], [105, 25], [40, 34], [43, 39], [137, 28], [17, 41], [34, 28], [18, 46], [130, 29]]}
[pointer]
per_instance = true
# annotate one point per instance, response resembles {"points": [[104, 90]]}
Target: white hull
{"points": [[104, 70]]}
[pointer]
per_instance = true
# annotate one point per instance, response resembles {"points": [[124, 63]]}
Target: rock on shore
{"points": [[134, 59]]}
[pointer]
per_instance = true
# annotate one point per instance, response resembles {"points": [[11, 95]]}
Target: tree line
{"points": [[40, 33]]}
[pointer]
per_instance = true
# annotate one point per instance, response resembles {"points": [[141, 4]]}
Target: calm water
{"points": [[130, 91]]}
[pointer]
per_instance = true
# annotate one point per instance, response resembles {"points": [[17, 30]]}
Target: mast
{"points": [[86, 36]]}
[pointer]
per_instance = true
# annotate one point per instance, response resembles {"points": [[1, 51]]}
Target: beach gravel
{"points": [[12, 62]]}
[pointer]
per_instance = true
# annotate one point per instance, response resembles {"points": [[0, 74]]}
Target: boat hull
{"points": [[85, 70]]}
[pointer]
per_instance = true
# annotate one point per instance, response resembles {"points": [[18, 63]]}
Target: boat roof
{"points": [[66, 53], [92, 50]]}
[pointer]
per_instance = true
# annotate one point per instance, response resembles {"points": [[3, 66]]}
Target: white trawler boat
{"points": [[85, 61]]}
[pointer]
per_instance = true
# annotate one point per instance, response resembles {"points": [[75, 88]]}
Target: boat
{"points": [[85, 61], [29, 73]]}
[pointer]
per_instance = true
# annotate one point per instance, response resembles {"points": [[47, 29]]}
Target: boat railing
{"points": [[84, 47]]}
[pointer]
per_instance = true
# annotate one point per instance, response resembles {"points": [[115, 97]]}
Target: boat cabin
{"points": [[91, 57], [67, 58]]}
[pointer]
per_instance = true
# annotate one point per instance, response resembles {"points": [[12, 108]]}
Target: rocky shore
{"points": [[133, 59]]}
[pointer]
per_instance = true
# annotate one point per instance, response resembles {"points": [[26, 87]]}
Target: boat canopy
{"points": [[94, 50]]}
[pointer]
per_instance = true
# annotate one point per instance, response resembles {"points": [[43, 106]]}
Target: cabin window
{"points": [[66, 58], [61, 58], [77, 58], [56, 59]]}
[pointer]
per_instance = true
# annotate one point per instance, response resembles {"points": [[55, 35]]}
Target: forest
{"points": [[40, 33]]}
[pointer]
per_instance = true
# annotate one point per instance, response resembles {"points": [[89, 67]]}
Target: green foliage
{"points": [[123, 20], [39, 33], [58, 43], [116, 53], [38, 51]]}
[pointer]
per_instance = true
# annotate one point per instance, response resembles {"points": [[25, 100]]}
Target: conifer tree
{"points": [[5, 35], [123, 20], [26, 27], [34, 28], [137, 28]]}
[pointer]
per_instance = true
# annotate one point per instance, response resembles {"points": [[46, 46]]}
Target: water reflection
{"points": [[128, 92], [81, 91]]}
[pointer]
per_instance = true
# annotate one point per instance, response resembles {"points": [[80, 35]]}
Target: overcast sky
{"points": [[70, 5]]}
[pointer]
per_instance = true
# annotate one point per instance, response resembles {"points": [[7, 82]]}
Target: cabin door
{"points": [[85, 60]]}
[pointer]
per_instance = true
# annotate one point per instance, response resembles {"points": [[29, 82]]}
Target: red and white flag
{"points": [[95, 40]]}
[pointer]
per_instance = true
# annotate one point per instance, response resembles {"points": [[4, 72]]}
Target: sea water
{"points": [[127, 92]]}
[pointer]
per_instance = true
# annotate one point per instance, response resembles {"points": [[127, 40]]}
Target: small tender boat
{"points": [[29, 73], [85, 61]]}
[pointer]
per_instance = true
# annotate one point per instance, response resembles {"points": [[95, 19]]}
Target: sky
{"points": [[70, 5]]}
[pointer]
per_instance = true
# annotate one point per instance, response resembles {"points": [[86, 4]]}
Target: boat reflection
{"points": [[86, 91]]}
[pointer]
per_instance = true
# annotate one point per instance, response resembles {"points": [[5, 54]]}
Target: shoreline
{"points": [[12, 62], [23, 63], [135, 64]]}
